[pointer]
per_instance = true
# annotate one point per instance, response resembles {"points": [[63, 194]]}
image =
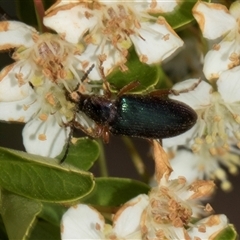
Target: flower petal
{"points": [[19, 111], [14, 34], [229, 85], [182, 139], [223, 56], [185, 164], [235, 9], [10, 88], [71, 22], [127, 219], [155, 41], [92, 53], [213, 19], [152, 6], [209, 227], [197, 98], [82, 222], [45, 138]]}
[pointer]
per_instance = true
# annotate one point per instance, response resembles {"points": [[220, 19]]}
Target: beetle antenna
{"points": [[87, 72], [85, 75]]}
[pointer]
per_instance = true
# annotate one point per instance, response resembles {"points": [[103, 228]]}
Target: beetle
{"points": [[145, 116]]}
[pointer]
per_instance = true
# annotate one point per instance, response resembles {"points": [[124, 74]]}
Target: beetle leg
{"points": [[128, 87], [166, 92], [100, 131], [63, 158], [105, 135], [160, 93], [191, 88], [94, 134]]}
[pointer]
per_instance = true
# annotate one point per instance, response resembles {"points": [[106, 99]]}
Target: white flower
{"points": [[203, 165], [33, 89], [209, 227], [167, 214], [109, 28], [175, 205], [84, 222], [216, 22], [172, 207], [215, 133], [218, 111]]}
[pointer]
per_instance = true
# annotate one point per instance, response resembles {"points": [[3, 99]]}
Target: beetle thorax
{"points": [[100, 109]]}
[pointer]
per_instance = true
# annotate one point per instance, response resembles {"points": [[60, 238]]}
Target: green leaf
{"points": [[3, 233], [44, 231], [82, 153], [228, 233], [19, 214], [115, 191], [147, 75], [52, 213], [181, 16], [42, 178]]}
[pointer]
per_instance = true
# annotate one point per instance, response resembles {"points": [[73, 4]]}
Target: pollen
{"points": [[4, 25], [174, 204], [36, 81], [237, 118], [234, 57], [97, 226], [43, 117], [25, 107], [208, 208], [42, 137], [118, 23], [21, 119], [50, 99], [143, 58], [213, 151], [202, 228], [209, 139], [219, 118], [216, 47], [213, 221], [88, 14], [153, 4], [166, 209], [19, 77], [166, 37]]}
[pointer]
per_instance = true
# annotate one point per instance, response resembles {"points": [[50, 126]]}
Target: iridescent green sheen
{"points": [[151, 117]]}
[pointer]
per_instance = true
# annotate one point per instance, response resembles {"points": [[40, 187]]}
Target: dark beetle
{"points": [[145, 116]]}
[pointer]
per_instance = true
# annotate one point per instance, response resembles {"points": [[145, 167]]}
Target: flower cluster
{"points": [[109, 28], [169, 211], [34, 88], [166, 213], [214, 140], [48, 67], [38, 89]]}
